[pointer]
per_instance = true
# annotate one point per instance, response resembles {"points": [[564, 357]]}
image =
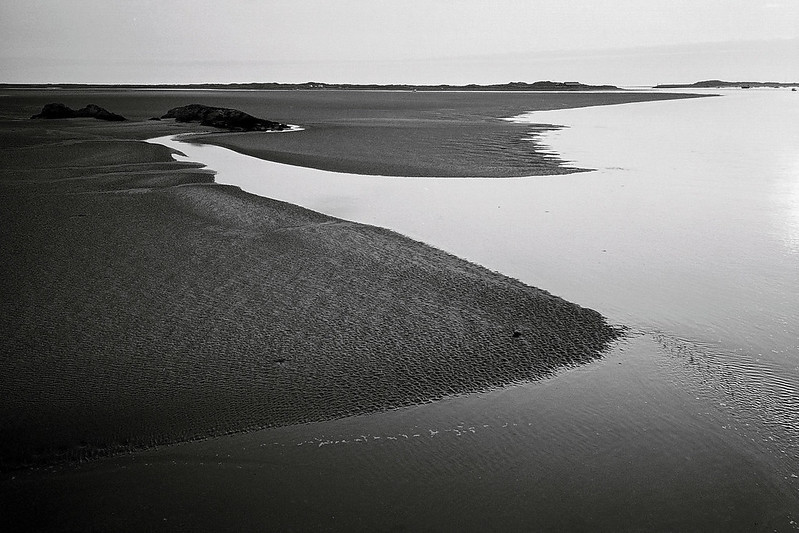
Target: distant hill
{"points": [[316, 86], [719, 84], [512, 86]]}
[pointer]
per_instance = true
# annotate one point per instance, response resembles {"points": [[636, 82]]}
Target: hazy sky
{"points": [[413, 41]]}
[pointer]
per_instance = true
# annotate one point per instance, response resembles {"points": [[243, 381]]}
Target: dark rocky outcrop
{"points": [[221, 117], [57, 110]]}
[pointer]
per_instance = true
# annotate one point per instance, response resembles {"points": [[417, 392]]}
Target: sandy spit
{"points": [[144, 304]]}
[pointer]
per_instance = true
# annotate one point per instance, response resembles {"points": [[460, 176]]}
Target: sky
{"points": [[622, 42]]}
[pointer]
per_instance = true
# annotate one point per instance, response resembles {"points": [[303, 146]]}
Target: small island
{"points": [[57, 111], [719, 84], [217, 117], [222, 117]]}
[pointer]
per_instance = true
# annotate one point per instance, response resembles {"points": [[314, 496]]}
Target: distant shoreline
{"points": [[719, 84], [515, 86], [321, 86]]}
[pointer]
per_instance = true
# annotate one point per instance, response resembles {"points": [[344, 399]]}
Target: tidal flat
{"points": [[149, 305]]}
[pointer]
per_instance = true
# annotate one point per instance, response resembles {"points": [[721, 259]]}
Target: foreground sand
{"points": [[610, 446], [145, 304]]}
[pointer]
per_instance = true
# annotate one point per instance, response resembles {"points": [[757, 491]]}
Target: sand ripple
{"points": [[191, 309]]}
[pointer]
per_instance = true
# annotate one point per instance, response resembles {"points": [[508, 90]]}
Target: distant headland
{"points": [[317, 86], [719, 84]]}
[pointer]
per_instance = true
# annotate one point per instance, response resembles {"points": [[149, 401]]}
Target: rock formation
{"points": [[57, 110], [221, 117]]}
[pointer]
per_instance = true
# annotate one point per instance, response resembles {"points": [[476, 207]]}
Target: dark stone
{"points": [[221, 117], [57, 110]]}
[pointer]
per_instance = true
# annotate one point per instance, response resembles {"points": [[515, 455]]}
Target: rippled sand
{"points": [[147, 305]]}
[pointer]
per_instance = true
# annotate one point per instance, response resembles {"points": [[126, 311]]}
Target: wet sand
{"points": [[147, 305], [412, 134], [399, 133], [556, 455]]}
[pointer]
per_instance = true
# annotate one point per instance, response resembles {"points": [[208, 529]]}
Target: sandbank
{"points": [[442, 134], [146, 304], [424, 135]]}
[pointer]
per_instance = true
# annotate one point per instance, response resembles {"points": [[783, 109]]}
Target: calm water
{"points": [[688, 232], [695, 207], [691, 221]]}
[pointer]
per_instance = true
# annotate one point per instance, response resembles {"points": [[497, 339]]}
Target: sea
{"points": [[685, 230]]}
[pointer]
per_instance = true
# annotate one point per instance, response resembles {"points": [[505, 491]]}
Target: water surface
{"points": [[688, 232], [690, 221]]}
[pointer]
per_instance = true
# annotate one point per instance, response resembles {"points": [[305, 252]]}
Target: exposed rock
{"points": [[57, 110], [221, 117]]}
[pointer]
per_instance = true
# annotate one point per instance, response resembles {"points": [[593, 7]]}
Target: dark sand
{"points": [[142, 304], [419, 134], [559, 455], [367, 132]]}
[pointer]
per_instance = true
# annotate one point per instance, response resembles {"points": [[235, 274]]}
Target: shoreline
{"points": [[154, 219], [144, 294], [172, 308], [364, 132], [500, 152], [466, 144]]}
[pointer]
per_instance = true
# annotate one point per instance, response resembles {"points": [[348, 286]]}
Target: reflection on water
{"points": [[705, 196], [687, 232], [789, 198], [688, 224], [617, 445], [709, 194]]}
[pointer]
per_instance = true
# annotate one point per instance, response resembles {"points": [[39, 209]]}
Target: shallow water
{"points": [[695, 205], [688, 232], [692, 217], [617, 445]]}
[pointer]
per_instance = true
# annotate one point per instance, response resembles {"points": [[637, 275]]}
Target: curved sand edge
{"points": [[420, 135], [147, 305]]}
